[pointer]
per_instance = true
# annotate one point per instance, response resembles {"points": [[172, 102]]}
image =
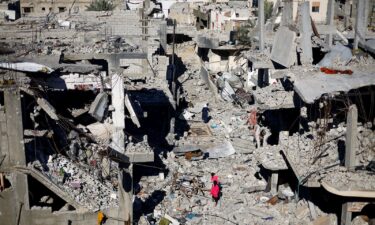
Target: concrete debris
{"points": [[187, 112], [221, 150], [79, 112], [311, 88], [99, 106], [306, 33], [274, 96], [26, 67], [338, 57], [129, 106], [48, 108], [101, 131], [284, 47], [37, 133], [184, 149], [80, 184]]}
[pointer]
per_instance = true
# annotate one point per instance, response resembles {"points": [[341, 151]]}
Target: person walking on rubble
{"points": [[205, 116], [252, 121], [215, 192]]}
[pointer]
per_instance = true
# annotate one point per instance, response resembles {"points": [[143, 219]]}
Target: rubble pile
{"points": [[82, 183], [243, 201], [274, 96], [270, 157], [324, 153], [140, 146], [117, 45], [150, 114], [344, 180]]}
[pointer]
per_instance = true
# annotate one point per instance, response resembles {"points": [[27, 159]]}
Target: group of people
{"points": [[216, 188]]}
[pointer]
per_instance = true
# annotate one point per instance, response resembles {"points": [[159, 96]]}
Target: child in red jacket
{"points": [[215, 192]]}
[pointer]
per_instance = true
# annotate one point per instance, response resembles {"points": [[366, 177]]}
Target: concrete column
{"points": [[274, 181], [16, 150], [125, 211], [360, 23], [346, 216], [261, 24], [287, 16], [118, 115], [306, 33], [347, 12], [330, 20], [14, 126], [144, 44], [351, 142]]}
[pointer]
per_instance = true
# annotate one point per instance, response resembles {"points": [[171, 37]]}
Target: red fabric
{"points": [[215, 191], [335, 71], [215, 178]]}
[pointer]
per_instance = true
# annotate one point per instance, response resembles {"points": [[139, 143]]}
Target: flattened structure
{"points": [[312, 87]]}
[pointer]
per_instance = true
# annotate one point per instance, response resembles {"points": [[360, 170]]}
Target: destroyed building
{"points": [[128, 116], [31, 7]]}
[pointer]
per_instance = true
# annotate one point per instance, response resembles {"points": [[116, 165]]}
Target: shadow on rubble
{"points": [[45, 136], [362, 97], [181, 125], [66, 102], [39, 148], [325, 201], [146, 207], [154, 120], [180, 66], [149, 169]]}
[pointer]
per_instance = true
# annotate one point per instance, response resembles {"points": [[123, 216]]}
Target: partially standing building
{"points": [[54, 6]]}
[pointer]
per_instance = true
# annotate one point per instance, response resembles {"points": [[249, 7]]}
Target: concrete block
{"points": [[284, 47], [98, 107]]}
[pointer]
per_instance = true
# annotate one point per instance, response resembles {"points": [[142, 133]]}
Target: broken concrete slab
{"points": [[221, 150], [322, 220], [260, 187], [101, 131], [369, 45], [53, 62], [242, 146], [48, 108], [99, 106], [339, 55], [259, 213], [181, 150], [284, 47], [26, 67], [130, 108], [130, 157], [313, 87], [35, 133]]}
